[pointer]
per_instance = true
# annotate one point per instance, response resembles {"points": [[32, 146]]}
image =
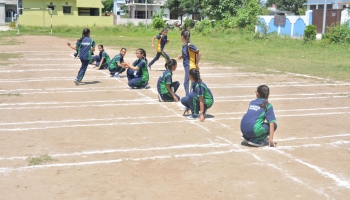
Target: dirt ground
{"points": [[110, 142]]}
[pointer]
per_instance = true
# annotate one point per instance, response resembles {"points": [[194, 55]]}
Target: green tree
{"points": [[287, 5], [108, 5], [247, 16], [221, 9], [182, 7]]}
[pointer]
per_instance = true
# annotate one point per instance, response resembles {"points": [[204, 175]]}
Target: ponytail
{"points": [[186, 35], [169, 65], [142, 51], [85, 32], [194, 73], [264, 92]]}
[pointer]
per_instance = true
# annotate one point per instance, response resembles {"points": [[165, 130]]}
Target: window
{"points": [[320, 7], [52, 7], [10, 13], [66, 9], [88, 12], [329, 6], [312, 7], [140, 14]]}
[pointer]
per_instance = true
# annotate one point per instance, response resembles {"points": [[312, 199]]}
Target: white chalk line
{"points": [[316, 137], [301, 75], [128, 150], [7, 170], [145, 122], [341, 182], [333, 144], [283, 172]]}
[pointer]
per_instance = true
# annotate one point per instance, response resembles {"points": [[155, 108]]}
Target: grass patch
{"points": [[8, 38], [10, 94], [38, 160], [235, 48]]}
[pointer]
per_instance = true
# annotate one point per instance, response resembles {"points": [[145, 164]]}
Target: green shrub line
{"points": [[234, 47]]}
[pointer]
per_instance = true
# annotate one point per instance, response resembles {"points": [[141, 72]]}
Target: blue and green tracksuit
{"points": [[140, 77], [113, 65], [164, 80], [192, 99], [189, 57], [253, 125], [98, 59], [84, 49]]}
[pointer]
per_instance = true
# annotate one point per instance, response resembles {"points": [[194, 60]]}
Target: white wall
{"points": [[2, 14]]}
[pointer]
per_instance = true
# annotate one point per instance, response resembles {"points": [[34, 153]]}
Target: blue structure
{"points": [[286, 29]]}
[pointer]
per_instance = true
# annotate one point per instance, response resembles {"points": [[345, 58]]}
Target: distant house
{"points": [[8, 10], [117, 7], [67, 12], [331, 4]]}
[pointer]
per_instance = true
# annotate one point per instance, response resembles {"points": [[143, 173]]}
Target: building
{"points": [[117, 7], [64, 12], [331, 4], [8, 10]]}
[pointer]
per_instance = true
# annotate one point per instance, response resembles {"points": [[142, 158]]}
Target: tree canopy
{"points": [[108, 5], [287, 5]]}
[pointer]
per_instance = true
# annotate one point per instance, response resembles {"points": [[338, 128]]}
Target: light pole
{"points": [[146, 14], [324, 17]]}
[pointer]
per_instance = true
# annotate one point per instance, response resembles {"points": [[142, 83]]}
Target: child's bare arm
{"points": [[153, 41], [272, 132], [199, 54], [201, 108], [171, 92]]}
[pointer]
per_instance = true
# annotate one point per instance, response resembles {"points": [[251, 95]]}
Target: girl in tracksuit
{"points": [[162, 41], [165, 86], [85, 46], [117, 66], [259, 122], [200, 99], [137, 73], [102, 59]]}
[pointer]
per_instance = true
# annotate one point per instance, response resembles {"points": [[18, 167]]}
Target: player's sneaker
{"points": [[192, 117], [117, 76], [246, 140], [147, 87], [149, 67], [76, 82], [160, 98], [183, 108], [260, 143]]}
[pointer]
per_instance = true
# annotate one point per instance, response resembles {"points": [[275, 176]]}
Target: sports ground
{"points": [[111, 142]]}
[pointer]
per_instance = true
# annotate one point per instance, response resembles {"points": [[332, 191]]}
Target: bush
{"points": [[247, 16], [202, 25], [188, 23], [158, 23], [142, 25], [12, 25], [337, 33], [309, 33]]}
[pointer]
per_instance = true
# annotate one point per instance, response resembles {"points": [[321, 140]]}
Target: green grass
{"points": [[10, 94], [38, 160], [234, 48]]}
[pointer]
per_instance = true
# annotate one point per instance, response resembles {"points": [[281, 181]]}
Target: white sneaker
{"points": [[160, 98], [183, 108], [116, 76], [149, 67], [76, 82], [147, 87], [192, 117], [261, 143]]}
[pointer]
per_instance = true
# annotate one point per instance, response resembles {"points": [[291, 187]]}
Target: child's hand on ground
{"points": [[201, 117], [187, 111], [271, 143], [175, 99], [179, 57]]}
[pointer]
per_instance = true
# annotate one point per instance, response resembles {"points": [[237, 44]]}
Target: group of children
{"points": [[258, 124]]}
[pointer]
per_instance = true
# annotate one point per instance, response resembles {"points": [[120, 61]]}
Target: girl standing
{"points": [[85, 46], [165, 86], [117, 66], [253, 126], [200, 99], [102, 59], [162, 41], [137, 72], [191, 57]]}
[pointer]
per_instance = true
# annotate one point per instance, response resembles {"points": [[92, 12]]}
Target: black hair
{"points": [[122, 49], [194, 73], [170, 64], [101, 45], [186, 35], [264, 92], [144, 53], [163, 31], [85, 33]]}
